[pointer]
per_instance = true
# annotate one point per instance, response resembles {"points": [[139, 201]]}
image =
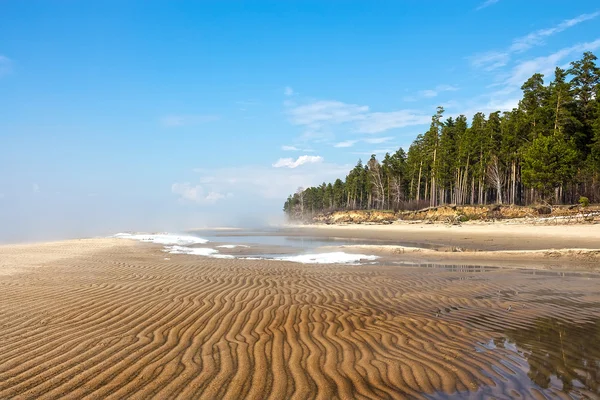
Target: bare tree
{"points": [[377, 180], [495, 177], [397, 191]]}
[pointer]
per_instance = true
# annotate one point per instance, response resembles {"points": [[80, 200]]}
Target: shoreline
{"points": [[574, 247], [565, 260], [474, 237]]}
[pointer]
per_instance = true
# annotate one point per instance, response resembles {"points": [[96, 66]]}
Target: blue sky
{"points": [[159, 115]]}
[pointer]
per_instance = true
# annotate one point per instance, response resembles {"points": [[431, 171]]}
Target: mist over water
{"points": [[47, 219]]}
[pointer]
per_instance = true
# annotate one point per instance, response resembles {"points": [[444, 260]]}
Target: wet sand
{"points": [[480, 236], [112, 318]]}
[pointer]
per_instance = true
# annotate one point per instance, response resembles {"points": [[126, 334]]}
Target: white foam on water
{"points": [[196, 251], [227, 256], [338, 257], [165, 238], [177, 244]]}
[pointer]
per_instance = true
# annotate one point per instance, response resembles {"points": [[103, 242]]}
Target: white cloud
{"points": [[546, 65], [346, 143], [289, 148], [295, 148], [326, 111], [486, 3], [196, 193], [492, 60], [321, 118], [288, 91], [507, 93], [291, 163], [213, 197], [435, 92], [351, 143], [173, 121], [382, 121], [537, 38], [379, 140], [35, 188], [428, 93], [6, 65]]}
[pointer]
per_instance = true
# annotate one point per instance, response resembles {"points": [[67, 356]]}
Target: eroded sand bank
{"points": [[121, 319]]}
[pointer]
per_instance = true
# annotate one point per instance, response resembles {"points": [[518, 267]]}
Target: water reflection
{"points": [[562, 355]]}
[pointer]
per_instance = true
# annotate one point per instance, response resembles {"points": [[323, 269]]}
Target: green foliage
{"points": [[584, 201], [548, 162]]}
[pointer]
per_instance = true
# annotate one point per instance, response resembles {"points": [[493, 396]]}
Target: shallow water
{"points": [[561, 355]]}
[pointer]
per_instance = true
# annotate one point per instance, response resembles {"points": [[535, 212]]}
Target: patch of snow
{"points": [[232, 246]]}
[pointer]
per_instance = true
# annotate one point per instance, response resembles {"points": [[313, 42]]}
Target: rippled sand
{"points": [[119, 319]]}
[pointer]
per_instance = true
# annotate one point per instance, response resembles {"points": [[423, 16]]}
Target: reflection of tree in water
{"points": [[567, 350]]}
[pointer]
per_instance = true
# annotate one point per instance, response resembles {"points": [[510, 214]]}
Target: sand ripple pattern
{"points": [[127, 323]]}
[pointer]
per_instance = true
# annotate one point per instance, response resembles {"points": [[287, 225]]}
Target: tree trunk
{"points": [[433, 199], [419, 182]]}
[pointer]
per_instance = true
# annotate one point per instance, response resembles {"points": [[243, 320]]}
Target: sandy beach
{"points": [[114, 318]]}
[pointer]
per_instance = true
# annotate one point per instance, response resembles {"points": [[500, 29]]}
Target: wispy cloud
{"points": [[430, 93], [439, 89], [537, 38], [350, 143], [491, 60], [291, 163], [345, 143], [320, 118], [174, 121], [378, 140], [318, 112], [197, 194], [6, 65], [506, 93], [486, 4], [35, 188], [545, 65], [288, 91], [383, 121], [296, 148]]}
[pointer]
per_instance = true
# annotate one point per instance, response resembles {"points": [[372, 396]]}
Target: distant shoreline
{"points": [[497, 242]]}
